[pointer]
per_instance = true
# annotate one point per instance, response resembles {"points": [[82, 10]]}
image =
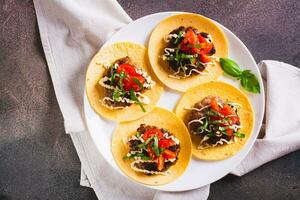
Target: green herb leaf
{"points": [[155, 146], [145, 143], [213, 113], [134, 98], [210, 134], [116, 94], [230, 67], [240, 135], [204, 126], [137, 134], [133, 155], [113, 76], [122, 76], [145, 157], [219, 121], [179, 35], [161, 150], [137, 81], [249, 82]]}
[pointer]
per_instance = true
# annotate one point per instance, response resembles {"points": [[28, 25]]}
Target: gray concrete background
{"points": [[38, 160]]}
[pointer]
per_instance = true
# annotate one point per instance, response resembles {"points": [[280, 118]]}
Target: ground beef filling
{"points": [[188, 58], [211, 132], [151, 163]]}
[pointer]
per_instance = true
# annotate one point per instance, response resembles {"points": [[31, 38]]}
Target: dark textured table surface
{"points": [[37, 158]]}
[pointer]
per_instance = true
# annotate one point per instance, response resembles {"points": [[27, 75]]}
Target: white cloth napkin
{"points": [[73, 31]]}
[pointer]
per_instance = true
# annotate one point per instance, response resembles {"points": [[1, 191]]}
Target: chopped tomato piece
{"points": [[201, 39], [206, 47], [165, 143], [160, 163], [234, 119], [151, 132], [214, 105], [229, 132], [190, 37], [129, 82], [168, 154], [126, 68], [204, 58], [196, 50], [227, 110]]}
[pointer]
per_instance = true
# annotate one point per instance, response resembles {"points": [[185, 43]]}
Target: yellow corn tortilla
{"points": [[96, 70], [157, 45], [161, 118], [226, 92]]}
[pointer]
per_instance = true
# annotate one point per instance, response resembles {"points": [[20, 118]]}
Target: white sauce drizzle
{"points": [[197, 109], [167, 136], [142, 98], [196, 121]]}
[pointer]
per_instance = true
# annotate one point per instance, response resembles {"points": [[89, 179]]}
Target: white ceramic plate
{"points": [[198, 173]]}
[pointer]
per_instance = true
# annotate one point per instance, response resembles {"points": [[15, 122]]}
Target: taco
{"points": [[184, 51], [219, 117], [119, 84], [153, 150]]}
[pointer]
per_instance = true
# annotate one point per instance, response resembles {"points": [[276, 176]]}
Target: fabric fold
{"points": [[282, 119], [71, 33]]}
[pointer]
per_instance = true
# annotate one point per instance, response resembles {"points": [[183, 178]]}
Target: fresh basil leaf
{"points": [[247, 79], [240, 135], [230, 67], [137, 81], [249, 82]]}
